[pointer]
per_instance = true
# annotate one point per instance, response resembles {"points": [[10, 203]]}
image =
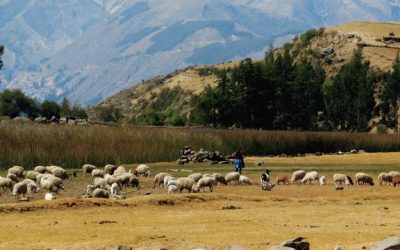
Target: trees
{"points": [[49, 109], [14, 103], [1, 54], [109, 113], [390, 96]]}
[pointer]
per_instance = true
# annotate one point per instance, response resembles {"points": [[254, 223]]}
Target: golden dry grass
{"points": [[353, 218]]}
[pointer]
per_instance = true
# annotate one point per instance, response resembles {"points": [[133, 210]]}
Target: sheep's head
{"points": [[195, 188]]}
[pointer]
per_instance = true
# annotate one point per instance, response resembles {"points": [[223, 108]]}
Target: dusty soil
{"points": [[231, 215]]}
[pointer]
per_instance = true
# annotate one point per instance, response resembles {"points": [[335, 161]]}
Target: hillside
{"points": [[89, 50], [344, 39]]}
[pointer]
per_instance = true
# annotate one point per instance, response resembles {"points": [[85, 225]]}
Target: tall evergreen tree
{"points": [[391, 94]]}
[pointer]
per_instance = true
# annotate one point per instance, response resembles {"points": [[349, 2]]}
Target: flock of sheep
{"points": [[110, 181]]}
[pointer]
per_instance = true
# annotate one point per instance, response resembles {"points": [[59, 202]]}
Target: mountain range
{"points": [[87, 50]]}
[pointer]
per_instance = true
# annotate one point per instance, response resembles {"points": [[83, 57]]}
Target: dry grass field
{"points": [[232, 215]]}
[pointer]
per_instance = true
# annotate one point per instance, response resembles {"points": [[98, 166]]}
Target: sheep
{"points": [[13, 177], [298, 176], [167, 179], [171, 182], [90, 189], [322, 181], [173, 189], [120, 170], [384, 178], [101, 183], [6, 184], [101, 193], [244, 180], [282, 179], [185, 183], [204, 182], [31, 175], [206, 175], [109, 169], [40, 169], [339, 179], [362, 179], [111, 180], [58, 172], [143, 170], [196, 176], [97, 173], [32, 188], [219, 178], [133, 181], [159, 179], [310, 177], [51, 183], [19, 189], [17, 170], [88, 168], [396, 180], [394, 173], [233, 176], [115, 189]]}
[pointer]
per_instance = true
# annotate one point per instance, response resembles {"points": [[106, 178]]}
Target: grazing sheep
{"points": [[90, 189], [6, 184], [322, 181], [88, 168], [32, 188], [101, 193], [396, 180], [51, 183], [120, 170], [298, 176], [171, 182], [17, 170], [13, 177], [109, 169], [233, 176], [207, 175], [244, 180], [31, 175], [133, 181], [219, 178], [339, 179], [384, 178], [282, 179], [111, 180], [58, 172], [173, 189], [394, 173], [19, 189], [185, 183], [159, 179], [115, 189], [40, 169], [310, 177], [196, 176], [97, 173], [99, 182], [143, 170], [362, 179], [204, 182], [167, 179]]}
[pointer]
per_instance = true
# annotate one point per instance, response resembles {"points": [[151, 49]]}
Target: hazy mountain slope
{"points": [[89, 50]]}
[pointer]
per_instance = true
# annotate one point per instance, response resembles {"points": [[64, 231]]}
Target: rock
{"points": [[326, 52], [298, 243], [391, 243], [122, 248], [339, 188], [40, 119], [21, 119]]}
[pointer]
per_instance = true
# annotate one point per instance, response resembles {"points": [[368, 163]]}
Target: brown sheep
{"points": [[282, 179], [396, 180]]}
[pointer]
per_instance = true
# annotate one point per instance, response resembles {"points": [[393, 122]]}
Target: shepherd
{"points": [[238, 160]]}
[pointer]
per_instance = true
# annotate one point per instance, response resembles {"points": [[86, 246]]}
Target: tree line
{"points": [[281, 93]]}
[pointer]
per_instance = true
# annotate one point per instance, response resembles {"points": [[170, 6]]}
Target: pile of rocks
{"points": [[189, 155]]}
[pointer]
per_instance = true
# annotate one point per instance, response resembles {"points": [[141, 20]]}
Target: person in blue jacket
{"points": [[238, 160]]}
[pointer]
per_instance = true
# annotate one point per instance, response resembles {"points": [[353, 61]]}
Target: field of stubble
{"points": [[242, 216]]}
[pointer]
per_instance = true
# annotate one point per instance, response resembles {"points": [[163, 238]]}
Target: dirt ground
{"points": [[242, 216]]}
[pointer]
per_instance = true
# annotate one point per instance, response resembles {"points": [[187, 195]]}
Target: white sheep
{"points": [[111, 180], [97, 173], [31, 175], [394, 173], [143, 170], [115, 189], [384, 178], [51, 183], [101, 183], [6, 184], [167, 179], [207, 175], [32, 188], [244, 180], [173, 189], [58, 172], [339, 179], [185, 183], [90, 189], [362, 179], [159, 179], [297, 176], [88, 168], [120, 170], [17, 170], [101, 193], [233, 176], [322, 181], [19, 189], [109, 169], [219, 178], [40, 169], [310, 177], [196, 176], [48, 196], [13, 177], [204, 182]]}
